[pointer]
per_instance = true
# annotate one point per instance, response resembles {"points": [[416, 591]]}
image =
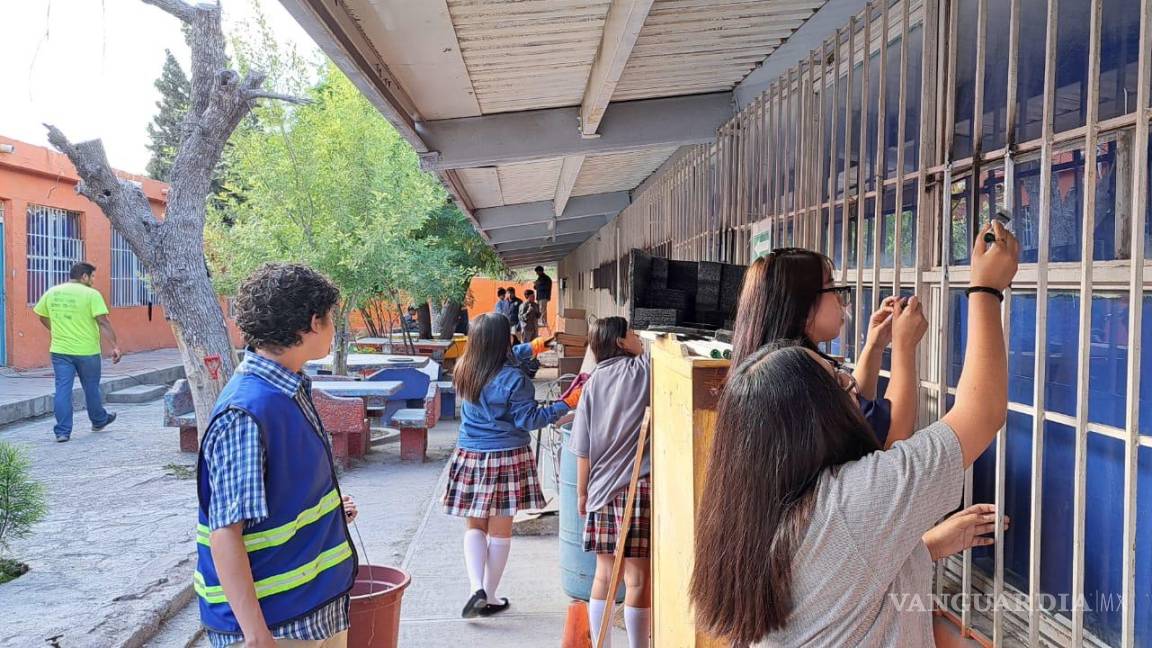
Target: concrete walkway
{"points": [[28, 393]]}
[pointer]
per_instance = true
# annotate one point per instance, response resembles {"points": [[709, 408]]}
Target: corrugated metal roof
{"points": [[697, 46], [528, 54], [618, 171]]}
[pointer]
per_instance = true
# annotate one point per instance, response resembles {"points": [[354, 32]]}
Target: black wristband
{"points": [[985, 289]]}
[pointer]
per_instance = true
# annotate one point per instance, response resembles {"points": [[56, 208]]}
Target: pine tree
{"points": [[166, 126]]}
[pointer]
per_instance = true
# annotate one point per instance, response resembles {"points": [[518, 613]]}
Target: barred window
{"points": [[129, 287], [54, 246]]}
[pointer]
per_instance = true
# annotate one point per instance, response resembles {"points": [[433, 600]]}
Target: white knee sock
{"points": [[638, 622], [498, 549], [595, 614], [475, 556]]}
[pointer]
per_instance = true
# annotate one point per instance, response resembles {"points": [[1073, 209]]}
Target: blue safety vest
{"points": [[302, 555]]}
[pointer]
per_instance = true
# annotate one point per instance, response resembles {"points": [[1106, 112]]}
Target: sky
{"points": [[88, 67]]}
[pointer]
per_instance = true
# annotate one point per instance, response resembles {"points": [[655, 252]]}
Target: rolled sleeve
{"points": [[580, 442], [234, 456]]}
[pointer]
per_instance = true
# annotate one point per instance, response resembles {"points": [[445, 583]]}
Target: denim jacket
{"points": [[507, 410]]}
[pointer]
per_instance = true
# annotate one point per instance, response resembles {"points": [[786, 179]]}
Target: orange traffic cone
{"points": [[577, 634]]}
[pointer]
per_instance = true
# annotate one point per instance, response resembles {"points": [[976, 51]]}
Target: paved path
{"points": [[27, 394], [114, 551]]}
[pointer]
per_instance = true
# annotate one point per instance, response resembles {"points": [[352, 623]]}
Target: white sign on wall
{"points": [[761, 238]]}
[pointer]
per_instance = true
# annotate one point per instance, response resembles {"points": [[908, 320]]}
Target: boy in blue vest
{"points": [[276, 561]]}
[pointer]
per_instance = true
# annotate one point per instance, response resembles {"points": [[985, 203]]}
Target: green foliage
{"points": [[165, 129], [21, 499]]}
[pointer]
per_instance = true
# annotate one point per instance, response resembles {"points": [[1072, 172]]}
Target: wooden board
{"points": [[685, 392]]}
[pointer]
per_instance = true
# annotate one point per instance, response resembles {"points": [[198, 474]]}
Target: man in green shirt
{"points": [[76, 315]]}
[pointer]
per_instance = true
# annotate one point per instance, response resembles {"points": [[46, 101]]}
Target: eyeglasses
{"points": [[843, 293], [847, 380]]}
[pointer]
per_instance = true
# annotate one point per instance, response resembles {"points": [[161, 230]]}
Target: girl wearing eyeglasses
{"points": [[789, 295]]}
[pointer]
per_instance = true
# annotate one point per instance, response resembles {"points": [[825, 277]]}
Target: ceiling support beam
{"points": [[568, 241], [569, 171], [606, 204], [504, 138], [543, 231], [621, 29]]}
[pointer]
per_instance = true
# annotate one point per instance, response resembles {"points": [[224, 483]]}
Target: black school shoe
{"points": [[110, 421], [491, 609], [475, 605]]}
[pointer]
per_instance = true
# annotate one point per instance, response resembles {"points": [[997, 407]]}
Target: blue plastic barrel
{"points": [[577, 567]]}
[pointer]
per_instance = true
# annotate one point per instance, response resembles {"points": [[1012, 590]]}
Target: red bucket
{"points": [[375, 608]]}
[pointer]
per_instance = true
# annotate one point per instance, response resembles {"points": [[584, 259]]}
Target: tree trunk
{"points": [[437, 308], [424, 320], [340, 343], [172, 250], [448, 317]]}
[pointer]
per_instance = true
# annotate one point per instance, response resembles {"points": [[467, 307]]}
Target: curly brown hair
{"points": [[277, 302]]}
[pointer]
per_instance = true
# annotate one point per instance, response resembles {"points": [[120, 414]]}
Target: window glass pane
{"points": [[874, 73], [854, 144], [892, 108], [1056, 509], [1071, 64], [996, 75], [960, 230], [841, 126], [1017, 499], [965, 33], [827, 96], [838, 236], [1104, 544], [958, 321], [869, 232], [888, 230], [908, 226], [865, 312], [1108, 361], [1144, 551], [1119, 53], [853, 249], [1067, 205], [1030, 69], [849, 338], [912, 104], [1146, 368], [1022, 348], [1026, 214], [1061, 354]]}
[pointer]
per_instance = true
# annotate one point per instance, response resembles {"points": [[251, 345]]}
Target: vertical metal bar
{"points": [[773, 152], [927, 151], [879, 170], [1135, 323], [861, 310], [850, 60], [795, 127], [1085, 343], [1041, 366], [831, 177], [1009, 204], [901, 134]]}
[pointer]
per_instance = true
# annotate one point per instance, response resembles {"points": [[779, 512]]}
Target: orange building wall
{"points": [[35, 175], [483, 290]]}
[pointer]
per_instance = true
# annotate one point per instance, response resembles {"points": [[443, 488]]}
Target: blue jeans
{"points": [[67, 368]]}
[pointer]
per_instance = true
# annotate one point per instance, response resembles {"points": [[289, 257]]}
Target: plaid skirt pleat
{"points": [[603, 527], [492, 484]]}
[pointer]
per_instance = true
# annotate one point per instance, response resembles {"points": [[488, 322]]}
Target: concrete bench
{"points": [[413, 424], [180, 412], [447, 399], [346, 422]]}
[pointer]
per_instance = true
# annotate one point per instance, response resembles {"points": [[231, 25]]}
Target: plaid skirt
{"points": [[492, 484], [602, 527]]}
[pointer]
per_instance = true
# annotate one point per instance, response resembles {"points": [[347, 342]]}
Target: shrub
{"points": [[21, 499]]}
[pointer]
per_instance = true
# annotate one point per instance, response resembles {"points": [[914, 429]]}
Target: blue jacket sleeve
{"points": [[526, 413], [522, 352], [878, 413]]}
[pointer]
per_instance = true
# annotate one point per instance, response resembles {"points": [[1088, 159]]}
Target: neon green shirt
{"points": [[73, 308]]}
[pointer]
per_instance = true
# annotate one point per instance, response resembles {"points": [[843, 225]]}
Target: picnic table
{"points": [[370, 362], [375, 394]]}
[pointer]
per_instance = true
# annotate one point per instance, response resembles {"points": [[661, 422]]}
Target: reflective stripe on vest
{"points": [[283, 533], [265, 587]]}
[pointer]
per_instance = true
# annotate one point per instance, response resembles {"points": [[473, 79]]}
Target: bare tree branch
{"points": [[122, 201], [263, 94], [178, 8]]}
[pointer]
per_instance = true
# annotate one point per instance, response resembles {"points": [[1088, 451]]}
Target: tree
{"points": [[166, 129], [333, 185], [21, 501], [171, 249]]}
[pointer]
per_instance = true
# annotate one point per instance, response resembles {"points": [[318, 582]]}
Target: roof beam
{"points": [[561, 242], [541, 231], [606, 204], [569, 171], [533, 259], [505, 138], [621, 29]]}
